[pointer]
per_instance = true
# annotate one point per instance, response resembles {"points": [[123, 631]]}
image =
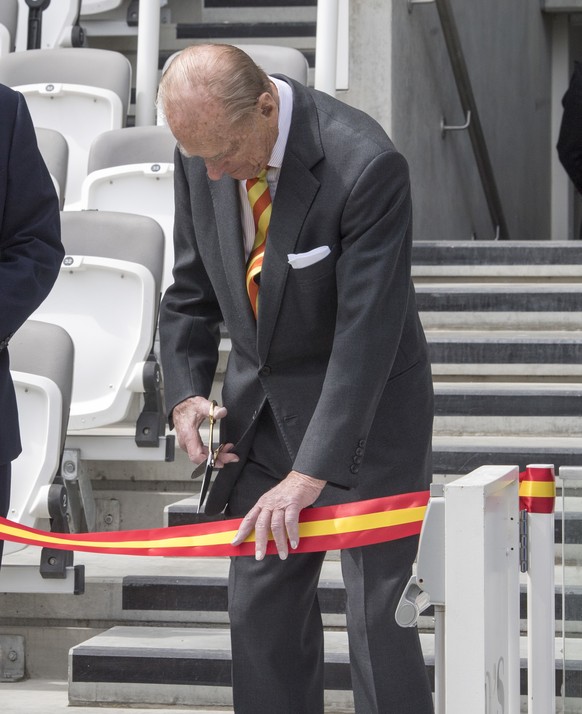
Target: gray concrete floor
{"points": [[36, 696]]}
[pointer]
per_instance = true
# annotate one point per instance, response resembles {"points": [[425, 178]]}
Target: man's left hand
{"points": [[277, 512]]}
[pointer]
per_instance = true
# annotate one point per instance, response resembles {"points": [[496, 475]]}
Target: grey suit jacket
{"points": [[338, 349]]}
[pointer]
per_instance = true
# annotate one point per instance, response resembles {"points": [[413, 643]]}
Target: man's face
{"points": [[240, 151]]}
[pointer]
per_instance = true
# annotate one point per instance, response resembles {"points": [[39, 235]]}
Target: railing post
{"points": [[148, 44], [537, 491], [326, 46]]}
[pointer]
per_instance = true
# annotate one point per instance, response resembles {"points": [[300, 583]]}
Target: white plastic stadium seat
{"points": [[132, 170], [58, 24], [279, 60], [95, 7], [55, 152], [41, 359], [78, 92], [106, 297]]}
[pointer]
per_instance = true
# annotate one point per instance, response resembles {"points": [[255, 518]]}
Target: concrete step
{"points": [[508, 408], [209, 594], [461, 454], [502, 354], [157, 666], [507, 297], [148, 665], [172, 592], [535, 306], [534, 254], [508, 399]]}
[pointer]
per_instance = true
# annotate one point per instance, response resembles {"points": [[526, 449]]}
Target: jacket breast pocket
{"points": [[317, 271]]}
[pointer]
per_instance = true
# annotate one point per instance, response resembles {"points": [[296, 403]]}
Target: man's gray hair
{"points": [[224, 72]]}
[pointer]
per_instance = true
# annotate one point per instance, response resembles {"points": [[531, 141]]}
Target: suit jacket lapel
{"points": [[225, 198], [296, 190]]}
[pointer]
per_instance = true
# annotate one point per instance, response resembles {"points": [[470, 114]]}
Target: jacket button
{"points": [[357, 460], [265, 371], [354, 469], [359, 451], [361, 443]]}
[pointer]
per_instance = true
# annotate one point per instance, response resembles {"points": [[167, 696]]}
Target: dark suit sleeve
{"points": [[374, 288], [570, 138], [30, 245], [190, 316]]}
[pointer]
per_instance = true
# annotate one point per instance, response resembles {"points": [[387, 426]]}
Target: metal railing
{"points": [[473, 121]]}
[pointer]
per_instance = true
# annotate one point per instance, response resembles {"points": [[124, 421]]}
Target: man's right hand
{"points": [[188, 417]]}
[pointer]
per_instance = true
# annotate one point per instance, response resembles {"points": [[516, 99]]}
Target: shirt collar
{"points": [[284, 121]]}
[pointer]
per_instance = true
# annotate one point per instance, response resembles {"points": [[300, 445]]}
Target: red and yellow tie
{"points": [[260, 200]]}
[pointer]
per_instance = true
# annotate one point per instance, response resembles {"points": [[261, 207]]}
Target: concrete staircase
{"points": [[503, 323]]}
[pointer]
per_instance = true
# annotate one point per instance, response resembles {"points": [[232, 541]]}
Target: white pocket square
{"points": [[304, 260]]}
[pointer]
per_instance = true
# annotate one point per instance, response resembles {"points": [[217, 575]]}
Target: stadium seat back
{"points": [[61, 85], [41, 360], [55, 152], [106, 297], [132, 170]]}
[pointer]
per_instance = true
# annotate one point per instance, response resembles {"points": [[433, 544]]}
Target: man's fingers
{"points": [[277, 512], [219, 412], [247, 526], [262, 530], [279, 531], [190, 442], [226, 456], [292, 525]]}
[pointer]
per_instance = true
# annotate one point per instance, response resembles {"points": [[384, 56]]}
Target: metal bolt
{"points": [[12, 656], [108, 519]]}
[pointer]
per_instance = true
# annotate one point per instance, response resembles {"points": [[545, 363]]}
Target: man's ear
{"points": [[267, 105]]}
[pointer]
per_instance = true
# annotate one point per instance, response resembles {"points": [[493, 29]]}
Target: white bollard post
{"points": [[537, 496], [482, 592], [148, 45]]}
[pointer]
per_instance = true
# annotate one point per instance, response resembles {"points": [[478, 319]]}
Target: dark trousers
{"points": [[277, 634], [5, 470]]}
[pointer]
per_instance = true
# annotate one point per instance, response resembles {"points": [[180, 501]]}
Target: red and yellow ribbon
{"points": [[537, 489], [326, 528]]}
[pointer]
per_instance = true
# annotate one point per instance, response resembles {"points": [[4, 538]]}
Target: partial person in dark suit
{"points": [[30, 254], [328, 391], [570, 138]]}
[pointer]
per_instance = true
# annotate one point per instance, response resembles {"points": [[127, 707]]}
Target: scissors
{"points": [[210, 461]]}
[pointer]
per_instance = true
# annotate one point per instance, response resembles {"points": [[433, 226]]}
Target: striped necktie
{"points": [[260, 200]]}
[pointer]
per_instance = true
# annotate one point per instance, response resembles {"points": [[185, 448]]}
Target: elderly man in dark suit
{"points": [[287, 195], [30, 254]]}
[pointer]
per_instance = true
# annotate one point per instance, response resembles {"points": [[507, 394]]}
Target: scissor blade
{"points": [[199, 471], [205, 483]]}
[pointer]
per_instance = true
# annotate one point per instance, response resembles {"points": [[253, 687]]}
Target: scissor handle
{"points": [[213, 406]]}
